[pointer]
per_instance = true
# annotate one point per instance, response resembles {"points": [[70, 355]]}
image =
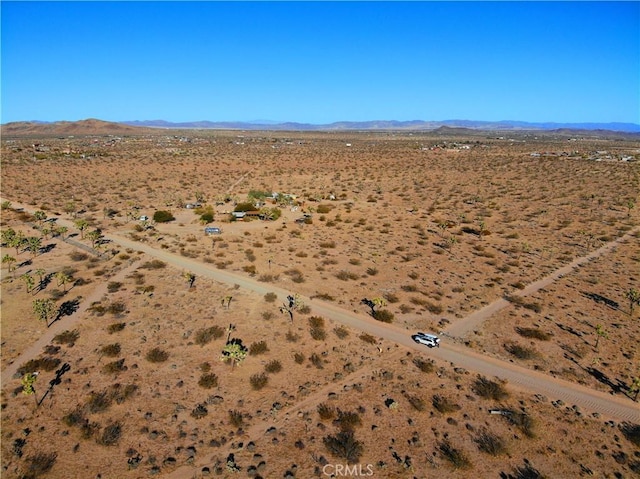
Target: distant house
{"points": [[239, 215], [212, 230]]}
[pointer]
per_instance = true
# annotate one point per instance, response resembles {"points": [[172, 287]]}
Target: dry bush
{"points": [[631, 432], [367, 338], [120, 394], [199, 411], [372, 271], [325, 411], [74, 418], [114, 367], [316, 360], [490, 443], [416, 402], [46, 363], [113, 286], [208, 381], [111, 350], [291, 336], [270, 297], [206, 335], [348, 420], [344, 446], [154, 264], [236, 418], [98, 401], [40, 463], [67, 337], [527, 472], [341, 332], [444, 404], [521, 352], [534, 333], [426, 366], [115, 327], [298, 358], [259, 347], [324, 297], [522, 421], [258, 381], [347, 275], [488, 389], [116, 308], [319, 334], [157, 355], [111, 435], [78, 256], [273, 366], [383, 315], [391, 298], [316, 322], [455, 456]]}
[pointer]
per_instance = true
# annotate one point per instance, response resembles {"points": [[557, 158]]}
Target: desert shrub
{"points": [[273, 366], [154, 264], [367, 338], [490, 443], [434, 308], [259, 347], [325, 411], [416, 402], [345, 275], [163, 216], [111, 434], [207, 217], [304, 309], [270, 297], [344, 445], [298, 358], [348, 420], [391, 298], [319, 334], [114, 367], [267, 315], [534, 333], [455, 457], [78, 256], [115, 327], [236, 418], [89, 429], [524, 422], [67, 337], [258, 381], [121, 393], [45, 363], [113, 286], [291, 336], [521, 352], [111, 350], [208, 381], [40, 463], [74, 418], [116, 308], [444, 404], [316, 322], [244, 207], [98, 402], [205, 335], [316, 360], [527, 472], [372, 271], [341, 332], [488, 389], [199, 411], [157, 355], [631, 432], [324, 297], [383, 315], [324, 209]]}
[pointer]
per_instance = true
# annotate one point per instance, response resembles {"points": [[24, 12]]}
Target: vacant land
{"points": [[437, 225]]}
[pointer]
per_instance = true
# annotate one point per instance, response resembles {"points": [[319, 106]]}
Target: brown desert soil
{"points": [[477, 238]]}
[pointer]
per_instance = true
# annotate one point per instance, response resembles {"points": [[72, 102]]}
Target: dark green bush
{"points": [[208, 381], [157, 355], [383, 315], [344, 446], [163, 216]]}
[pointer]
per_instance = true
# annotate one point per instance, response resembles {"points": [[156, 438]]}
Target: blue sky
{"points": [[319, 62]]}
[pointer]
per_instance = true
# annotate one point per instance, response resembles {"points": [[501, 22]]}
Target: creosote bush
{"points": [[270, 297], [111, 435], [114, 367], [298, 358], [455, 457], [367, 338], [115, 327], [236, 418], [444, 404], [157, 355], [208, 381], [258, 381], [325, 411], [490, 443], [259, 347], [344, 445], [206, 335], [383, 315], [111, 350], [67, 337], [488, 389], [426, 366], [40, 463], [534, 333], [521, 352], [273, 366]]}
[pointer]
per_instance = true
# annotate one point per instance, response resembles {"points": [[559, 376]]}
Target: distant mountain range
{"points": [[388, 125], [100, 127]]}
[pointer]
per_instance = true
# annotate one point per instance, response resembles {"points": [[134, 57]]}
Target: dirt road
{"points": [[614, 407]]}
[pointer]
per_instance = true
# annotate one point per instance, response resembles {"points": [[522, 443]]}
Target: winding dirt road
{"points": [[614, 407]]}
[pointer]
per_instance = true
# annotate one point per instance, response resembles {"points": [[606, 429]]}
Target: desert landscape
{"points": [[135, 343]]}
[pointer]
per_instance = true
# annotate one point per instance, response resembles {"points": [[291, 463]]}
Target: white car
{"points": [[429, 340]]}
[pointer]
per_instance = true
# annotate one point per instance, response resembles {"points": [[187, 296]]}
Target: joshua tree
{"points": [[44, 309], [82, 225], [227, 299], [28, 388], [63, 279], [635, 387], [633, 295], [373, 303], [9, 260], [40, 272], [234, 352], [293, 302], [482, 226], [16, 241], [40, 216], [630, 205], [230, 329], [33, 244], [600, 333], [28, 280], [61, 230], [70, 209], [94, 236], [190, 278]]}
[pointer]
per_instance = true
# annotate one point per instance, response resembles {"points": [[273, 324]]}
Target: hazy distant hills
{"points": [[99, 127], [391, 125]]}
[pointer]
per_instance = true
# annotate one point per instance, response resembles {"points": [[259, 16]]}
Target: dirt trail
{"points": [[473, 321]]}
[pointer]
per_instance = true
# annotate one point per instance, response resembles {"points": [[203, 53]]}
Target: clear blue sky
{"points": [[319, 62]]}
